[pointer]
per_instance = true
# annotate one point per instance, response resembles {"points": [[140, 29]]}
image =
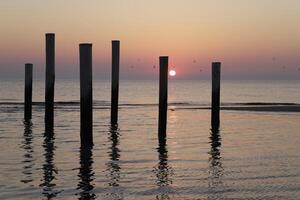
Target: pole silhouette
{"points": [[115, 81], [163, 97], [86, 95], [50, 79], [215, 101], [28, 92]]}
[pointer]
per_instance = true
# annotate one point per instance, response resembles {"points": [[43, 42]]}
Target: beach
{"points": [[254, 155]]}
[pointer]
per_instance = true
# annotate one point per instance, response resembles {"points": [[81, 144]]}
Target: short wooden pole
{"points": [[163, 97], [86, 95], [115, 81], [215, 101], [50, 79], [28, 92]]}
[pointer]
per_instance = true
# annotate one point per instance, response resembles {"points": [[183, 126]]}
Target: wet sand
{"points": [[257, 108], [282, 108]]}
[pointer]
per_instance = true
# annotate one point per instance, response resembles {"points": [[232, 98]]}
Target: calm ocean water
{"points": [[254, 156]]}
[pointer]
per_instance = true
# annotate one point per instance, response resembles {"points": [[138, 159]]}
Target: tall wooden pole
{"points": [[215, 100], [115, 81], [86, 95], [28, 92], [163, 97], [50, 79]]}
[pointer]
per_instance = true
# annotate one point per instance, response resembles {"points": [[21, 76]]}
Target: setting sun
{"points": [[172, 72]]}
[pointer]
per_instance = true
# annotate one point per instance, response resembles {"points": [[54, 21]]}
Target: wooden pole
{"points": [[50, 79], [28, 92], [86, 95], [115, 81], [215, 101], [163, 97]]}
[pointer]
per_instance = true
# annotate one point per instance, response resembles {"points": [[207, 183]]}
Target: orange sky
{"points": [[253, 39]]}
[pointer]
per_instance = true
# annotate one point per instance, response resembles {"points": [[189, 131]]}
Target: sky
{"points": [[257, 39]]}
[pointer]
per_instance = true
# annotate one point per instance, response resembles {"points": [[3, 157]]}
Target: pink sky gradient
{"points": [[253, 39]]}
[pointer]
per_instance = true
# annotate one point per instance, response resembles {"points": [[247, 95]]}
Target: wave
{"points": [[107, 103], [100, 104]]}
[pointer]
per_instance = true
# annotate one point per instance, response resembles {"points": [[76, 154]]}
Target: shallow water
{"points": [[254, 156]]}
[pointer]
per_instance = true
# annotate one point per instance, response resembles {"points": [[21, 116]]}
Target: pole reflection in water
{"points": [[163, 171], [215, 166], [49, 169], [113, 166], [86, 173], [28, 149]]}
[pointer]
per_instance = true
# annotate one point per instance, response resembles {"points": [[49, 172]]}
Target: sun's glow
{"points": [[172, 72]]}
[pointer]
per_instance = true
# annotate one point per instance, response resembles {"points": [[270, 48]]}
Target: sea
{"points": [[254, 155]]}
